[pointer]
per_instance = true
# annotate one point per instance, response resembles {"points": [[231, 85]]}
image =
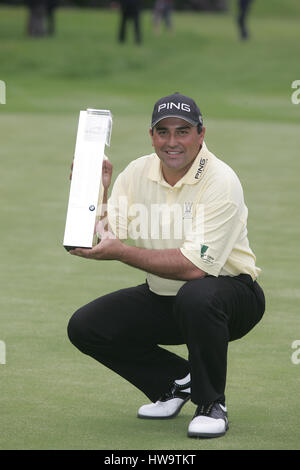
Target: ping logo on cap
{"points": [[171, 105]]}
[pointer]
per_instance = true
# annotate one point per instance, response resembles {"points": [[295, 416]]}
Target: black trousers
{"points": [[244, 7], [128, 15], [124, 331]]}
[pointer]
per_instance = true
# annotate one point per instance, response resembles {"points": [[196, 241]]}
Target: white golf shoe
{"points": [[210, 421], [169, 404]]}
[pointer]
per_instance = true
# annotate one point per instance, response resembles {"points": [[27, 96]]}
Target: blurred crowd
{"points": [[41, 19]]}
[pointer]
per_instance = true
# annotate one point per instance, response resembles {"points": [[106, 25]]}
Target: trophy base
{"points": [[68, 248]]}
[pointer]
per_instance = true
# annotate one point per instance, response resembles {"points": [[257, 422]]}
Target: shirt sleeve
{"points": [[212, 235]]}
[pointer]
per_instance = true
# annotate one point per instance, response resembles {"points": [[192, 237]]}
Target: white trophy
{"points": [[94, 132]]}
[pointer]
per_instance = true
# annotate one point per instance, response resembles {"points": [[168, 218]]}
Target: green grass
{"points": [[53, 397]]}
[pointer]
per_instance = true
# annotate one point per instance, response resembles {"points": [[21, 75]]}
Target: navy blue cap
{"points": [[177, 105]]}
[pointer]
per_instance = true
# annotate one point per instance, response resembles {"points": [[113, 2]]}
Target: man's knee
{"points": [[91, 328], [77, 329]]}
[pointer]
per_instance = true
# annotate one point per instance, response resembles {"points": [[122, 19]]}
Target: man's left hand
{"points": [[109, 247]]}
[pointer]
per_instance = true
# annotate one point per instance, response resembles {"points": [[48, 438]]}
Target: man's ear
{"points": [[151, 135], [202, 134]]}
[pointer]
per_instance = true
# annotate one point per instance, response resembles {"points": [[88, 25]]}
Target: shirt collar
{"points": [[193, 175]]}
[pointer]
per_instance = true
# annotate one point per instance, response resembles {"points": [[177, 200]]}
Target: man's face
{"points": [[176, 143]]}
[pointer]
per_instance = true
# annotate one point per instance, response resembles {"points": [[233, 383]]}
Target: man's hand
{"points": [[107, 169], [109, 247]]}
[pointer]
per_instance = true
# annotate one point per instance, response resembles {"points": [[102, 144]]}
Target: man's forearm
{"points": [[169, 264]]}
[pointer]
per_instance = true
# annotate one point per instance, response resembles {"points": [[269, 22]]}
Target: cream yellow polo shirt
{"points": [[204, 215]]}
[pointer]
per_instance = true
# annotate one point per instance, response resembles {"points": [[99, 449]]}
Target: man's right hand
{"points": [[107, 169]]}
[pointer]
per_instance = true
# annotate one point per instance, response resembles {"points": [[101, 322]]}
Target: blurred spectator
{"points": [[163, 12], [36, 23], [244, 7], [41, 17], [130, 11]]}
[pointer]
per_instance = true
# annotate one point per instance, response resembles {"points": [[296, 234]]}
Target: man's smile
{"points": [[174, 152]]}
